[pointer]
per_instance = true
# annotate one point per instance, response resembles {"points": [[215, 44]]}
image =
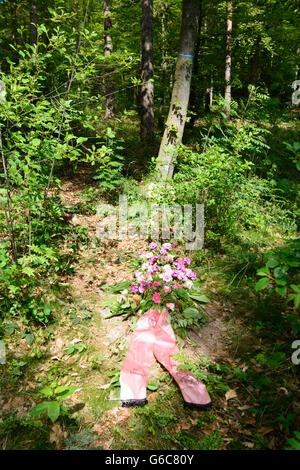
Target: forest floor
{"points": [[253, 408]]}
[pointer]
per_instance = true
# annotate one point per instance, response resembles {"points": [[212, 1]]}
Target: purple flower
{"points": [[155, 268], [192, 275], [134, 289]]}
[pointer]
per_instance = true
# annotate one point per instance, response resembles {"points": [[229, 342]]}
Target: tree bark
{"points": [[108, 49], [163, 63], [255, 64], [76, 8], [147, 88], [228, 60], [193, 96], [181, 90], [33, 22]]}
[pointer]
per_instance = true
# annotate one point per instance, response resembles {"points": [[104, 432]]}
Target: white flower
{"points": [[167, 268], [167, 276], [167, 246], [189, 284], [124, 292]]}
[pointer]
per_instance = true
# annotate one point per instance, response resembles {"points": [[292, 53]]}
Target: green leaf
{"points": [[182, 293], [272, 263], [108, 302], [199, 297], [281, 290], [295, 288], [263, 271], [117, 287], [262, 284], [191, 312], [53, 410], [279, 272], [47, 392], [40, 408], [35, 142], [152, 386], [64, 391]]}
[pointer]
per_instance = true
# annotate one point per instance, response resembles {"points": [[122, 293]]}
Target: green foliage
{"points": [[108, 162], [294, 443], [212, 441], [156, 418], [281, 272], [53, 408]]}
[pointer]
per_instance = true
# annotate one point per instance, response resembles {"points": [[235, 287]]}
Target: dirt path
{"points": [[107, 263]]}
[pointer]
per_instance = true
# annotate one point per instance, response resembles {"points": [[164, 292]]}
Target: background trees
{"points": [[79, 125]]}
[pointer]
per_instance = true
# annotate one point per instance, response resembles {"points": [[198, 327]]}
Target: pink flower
{"points": [[180, 261], [155, 284], [170, 306], [153, 246], [156, 298], [167, 289], [170, 258], [174, 246], [121, 298], [163, 251], [177, 285]]}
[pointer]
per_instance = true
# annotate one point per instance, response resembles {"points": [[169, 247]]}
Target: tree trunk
{"points": [[33, 22], [108, 49], [147, 88], [228, 60], [181, 90], [255, 64], [193, 96], [163, 63], [76, 8]]}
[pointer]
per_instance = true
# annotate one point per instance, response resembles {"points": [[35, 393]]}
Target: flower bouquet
{"points": [[164, 280]]}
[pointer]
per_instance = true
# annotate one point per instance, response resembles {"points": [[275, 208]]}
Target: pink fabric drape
{"points": [[154, 337]]}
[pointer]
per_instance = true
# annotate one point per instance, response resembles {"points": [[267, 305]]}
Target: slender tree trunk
{"points": [[228, 60], [147, 88], [196, 70], [108, 49], [255, 64], [76, 8], [164, 63], [33, 22], [181, 90]]}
